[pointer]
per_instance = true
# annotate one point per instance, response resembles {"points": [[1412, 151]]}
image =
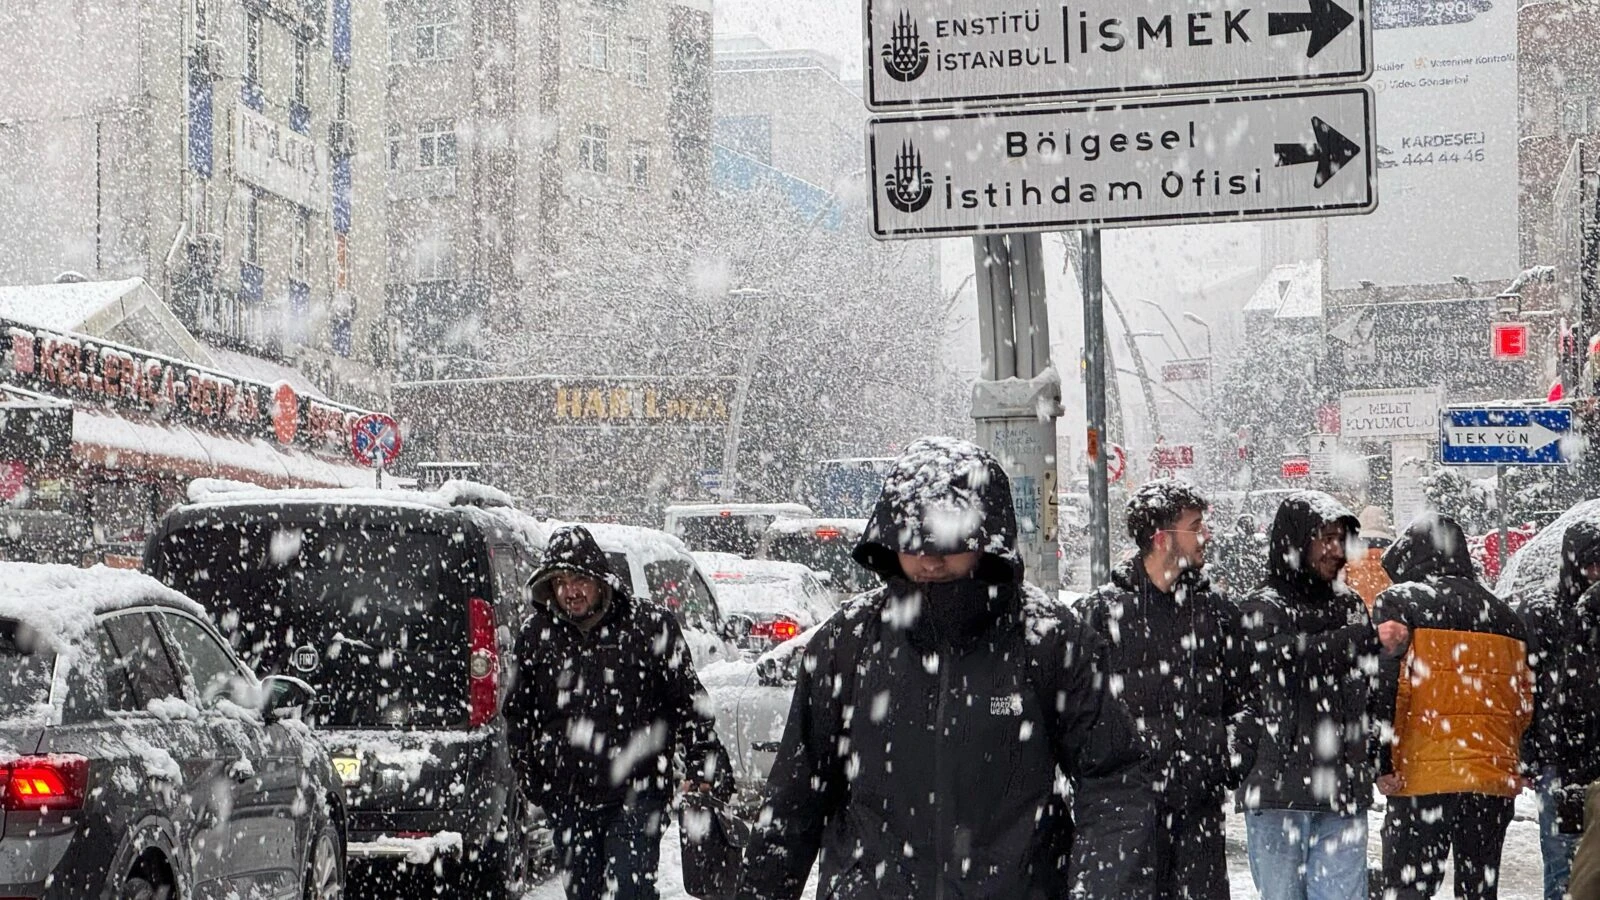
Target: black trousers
{"points": [[1190, 853], [1420, 833]]}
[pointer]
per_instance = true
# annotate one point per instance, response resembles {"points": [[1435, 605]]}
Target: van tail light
{"points": [[777, 630], [827, 534], [484, 663], [34, 783]]}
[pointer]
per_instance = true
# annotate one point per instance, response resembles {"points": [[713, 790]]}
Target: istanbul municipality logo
{"points": [[909, 186], [905, 56]]}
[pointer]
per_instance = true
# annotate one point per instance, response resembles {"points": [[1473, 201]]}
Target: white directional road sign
{"points": [[1227, 157], [944, 52], [1515, 435]]}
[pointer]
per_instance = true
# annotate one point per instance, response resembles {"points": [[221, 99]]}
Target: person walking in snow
{"points": [[1564, 649], [1176, 651], [932, 717], [1306, 731], [606, 695], [1455, 695]]}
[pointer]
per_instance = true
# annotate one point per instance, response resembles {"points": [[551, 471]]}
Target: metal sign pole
{"points": [[1094, 346], [1500, 514]]}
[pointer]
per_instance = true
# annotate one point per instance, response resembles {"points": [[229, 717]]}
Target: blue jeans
{"points": [[611, 852], [1307, 855], [1554, 847]]}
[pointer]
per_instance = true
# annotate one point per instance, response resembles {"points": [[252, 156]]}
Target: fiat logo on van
{"points": [[306, 659]]}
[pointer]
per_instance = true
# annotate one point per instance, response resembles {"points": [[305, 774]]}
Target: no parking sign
{"points": [[375, 440]]}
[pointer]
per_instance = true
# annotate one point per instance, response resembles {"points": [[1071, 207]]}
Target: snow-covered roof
{"points": [[685, 510], [450, 494], [647, 545], [126, 311], [733, 568], [264, 371], [59, 603], [851, 527], [1292, 291], [103, 438]]}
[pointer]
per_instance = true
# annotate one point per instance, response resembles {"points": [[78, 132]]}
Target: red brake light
{"points": [[35, 783], [483, 664], [827, 534], [783, 630]]}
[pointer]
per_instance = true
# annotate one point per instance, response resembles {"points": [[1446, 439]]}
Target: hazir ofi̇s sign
{"points": [[1238, 156], [943, 52]]}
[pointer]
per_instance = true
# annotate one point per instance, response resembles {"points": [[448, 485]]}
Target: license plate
{"points": [[348, 768]]}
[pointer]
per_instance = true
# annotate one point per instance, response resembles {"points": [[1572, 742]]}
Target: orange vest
{"points": [[1464, 700], [1366, 576]]}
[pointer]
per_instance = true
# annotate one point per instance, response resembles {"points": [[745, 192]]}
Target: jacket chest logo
{"points": [[1009, 705]]}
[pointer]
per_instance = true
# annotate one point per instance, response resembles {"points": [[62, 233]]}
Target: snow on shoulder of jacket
{"points": [[944, 495]]}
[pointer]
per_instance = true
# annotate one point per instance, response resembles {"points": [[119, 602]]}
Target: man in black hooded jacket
{"points": [[1177, 659], [931, 718], [606, 694], [1565, 655], [1307, 729]]}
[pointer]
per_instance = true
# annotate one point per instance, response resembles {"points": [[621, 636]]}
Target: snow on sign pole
{"points": [[375, 441], [977, 52]]}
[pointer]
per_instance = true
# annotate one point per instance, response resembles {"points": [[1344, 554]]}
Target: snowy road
{"points": [[1520, 879]]}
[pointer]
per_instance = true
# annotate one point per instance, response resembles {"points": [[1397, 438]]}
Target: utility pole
{"points": [[1017, 402]]}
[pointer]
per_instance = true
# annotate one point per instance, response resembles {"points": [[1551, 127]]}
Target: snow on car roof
{"points": [[731, 567], [740, 509], [60, 603], [644, 544], [1537, 564], [801, 526]]}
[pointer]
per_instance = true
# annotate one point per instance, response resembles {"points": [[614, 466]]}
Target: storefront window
{"points": [[123, 512]]}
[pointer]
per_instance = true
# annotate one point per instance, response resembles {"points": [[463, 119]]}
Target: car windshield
{"points": [[371, 614], [723, 534], [25, 670]]}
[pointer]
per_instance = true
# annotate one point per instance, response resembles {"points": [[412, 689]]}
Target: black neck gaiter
{"points": [[953, 614]]}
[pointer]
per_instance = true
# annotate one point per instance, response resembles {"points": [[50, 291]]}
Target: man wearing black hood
{"points": [[1177, 658], [606, 694], [1454, 699], [1565, 654], [932, 717], [1307, 730]]}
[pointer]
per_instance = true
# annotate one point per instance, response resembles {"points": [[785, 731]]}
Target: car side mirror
{"points": [[285, 697]]}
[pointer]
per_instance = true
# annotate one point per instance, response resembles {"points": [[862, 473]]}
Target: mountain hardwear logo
{"points": [[910, 187], [1010, 705], [905, 56]]}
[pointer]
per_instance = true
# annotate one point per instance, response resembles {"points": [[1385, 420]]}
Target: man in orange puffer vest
{"points": [[1455, 696]]}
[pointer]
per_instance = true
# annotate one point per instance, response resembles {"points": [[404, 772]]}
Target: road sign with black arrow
{"points": [[1222, 157], [931, 53]]}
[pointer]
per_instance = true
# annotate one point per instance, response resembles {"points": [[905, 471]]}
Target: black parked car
{"points": [[140, 759], [400, 608]]}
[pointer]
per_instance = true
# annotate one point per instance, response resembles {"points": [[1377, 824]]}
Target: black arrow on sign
{"points": [[1325, 21], [1331, 151]]}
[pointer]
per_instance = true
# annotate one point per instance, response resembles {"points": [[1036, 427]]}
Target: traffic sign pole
{"points": [[1094, 355]]}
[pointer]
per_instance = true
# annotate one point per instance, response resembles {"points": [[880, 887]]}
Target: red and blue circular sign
{"points": [[375, 439]]}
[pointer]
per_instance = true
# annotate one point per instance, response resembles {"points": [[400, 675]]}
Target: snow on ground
{"points": [[1520, 877]]}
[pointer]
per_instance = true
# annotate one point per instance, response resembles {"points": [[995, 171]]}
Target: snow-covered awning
{"points": [[118, 443], [125, 311]]}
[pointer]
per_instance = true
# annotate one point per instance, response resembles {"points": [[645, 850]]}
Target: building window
{"points": [[396, 144], [302, 248], [596, 42], [638, 61], [592, 149], [252, 49], [639, 164], [435, 261], [252, 229], [436, 143], [302, 70], [436, 33]]}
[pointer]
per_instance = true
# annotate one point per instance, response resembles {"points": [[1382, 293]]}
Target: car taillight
{"points": [[777, 630], [34, 783], [827, 534], [484, 663]]}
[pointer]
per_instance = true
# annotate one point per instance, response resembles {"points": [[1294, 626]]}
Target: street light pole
{"points": [[1203, 324], [1170, 324]]}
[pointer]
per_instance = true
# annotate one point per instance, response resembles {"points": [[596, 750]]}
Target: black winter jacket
{"points": [[595, 718], [1179, 662], [1307, 731], [929, 723], [1564, 649]]}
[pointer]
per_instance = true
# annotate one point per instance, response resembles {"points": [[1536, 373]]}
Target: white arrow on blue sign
{"points": [[1507, 436]]}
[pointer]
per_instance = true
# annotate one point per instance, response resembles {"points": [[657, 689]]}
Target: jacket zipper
{"points": [[938, 774]]}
